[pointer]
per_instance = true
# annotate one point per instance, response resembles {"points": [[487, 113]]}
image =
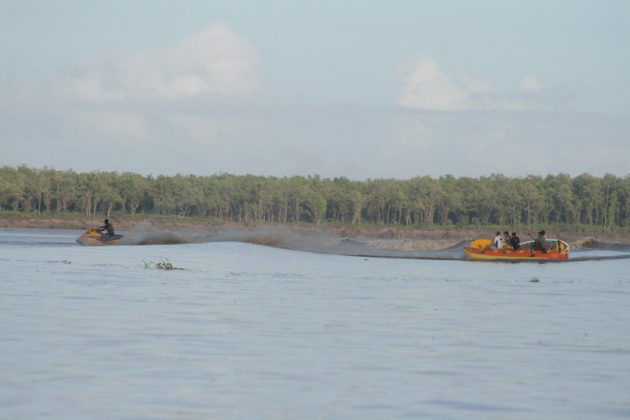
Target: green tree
{"points": [[133, 190]]}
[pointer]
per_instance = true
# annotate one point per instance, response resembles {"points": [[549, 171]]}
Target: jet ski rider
{"points": [[107, 228]]}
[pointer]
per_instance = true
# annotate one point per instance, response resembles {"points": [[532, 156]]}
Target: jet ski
{"points": [[96, 237]]}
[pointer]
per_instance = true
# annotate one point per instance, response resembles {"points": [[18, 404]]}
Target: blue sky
{"points": [[356, 88]]}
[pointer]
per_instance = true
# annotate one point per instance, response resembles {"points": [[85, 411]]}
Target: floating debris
{"points": [[59, 261], [163, 264], [534, 280]]}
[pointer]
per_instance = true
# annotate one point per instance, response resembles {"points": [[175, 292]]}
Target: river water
{"points": [[244, 331]]}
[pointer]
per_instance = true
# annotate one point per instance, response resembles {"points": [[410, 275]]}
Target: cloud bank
{"points": [[195, 106], [212, 61], [428, 86]]}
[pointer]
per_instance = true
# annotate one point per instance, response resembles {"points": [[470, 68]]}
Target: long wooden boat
{"points": [[94, 237], [555, 249]]}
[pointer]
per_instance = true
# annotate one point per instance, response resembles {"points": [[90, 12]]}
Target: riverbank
{"points": [[384, 237]]}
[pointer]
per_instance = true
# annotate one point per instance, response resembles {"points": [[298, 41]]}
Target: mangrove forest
{"points": [[419, 201]]}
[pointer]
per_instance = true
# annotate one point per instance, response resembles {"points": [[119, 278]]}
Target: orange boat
{"points": [[554, 250], [95, 237]]}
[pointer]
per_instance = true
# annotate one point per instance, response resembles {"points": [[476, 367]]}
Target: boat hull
{"points": [[96, 238], [558, 251]]}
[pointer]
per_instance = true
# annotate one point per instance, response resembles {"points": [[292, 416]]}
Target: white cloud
{"points": [[530, 83], [90, 86], [428, 86], [213, 61]]}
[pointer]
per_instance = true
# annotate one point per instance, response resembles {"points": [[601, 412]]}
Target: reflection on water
{"points": [[247, 331]]}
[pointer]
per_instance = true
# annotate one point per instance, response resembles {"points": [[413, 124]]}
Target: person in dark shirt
{"points": [[107, 228], [515, 241], [541, 242]]}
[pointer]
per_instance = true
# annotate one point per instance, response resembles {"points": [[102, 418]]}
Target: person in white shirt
{"points": [[498, 241]]}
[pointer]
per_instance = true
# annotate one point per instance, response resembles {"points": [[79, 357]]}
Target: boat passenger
{"points": [[507, 239], [541, 242], [515, 241], [498, 241], [108, 227]]}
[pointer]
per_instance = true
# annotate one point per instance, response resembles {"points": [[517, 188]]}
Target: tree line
{"points": [[423, 200]]}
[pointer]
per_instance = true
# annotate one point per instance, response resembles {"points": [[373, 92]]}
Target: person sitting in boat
{"points": [[498, 241], [515, 241], [108, 227], [506, 239], [541, 242]]}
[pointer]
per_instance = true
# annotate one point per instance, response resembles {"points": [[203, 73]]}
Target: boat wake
{"points": [[319, 241]]}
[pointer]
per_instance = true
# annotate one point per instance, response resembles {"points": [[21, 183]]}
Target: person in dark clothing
{"points": [[515, 241], [107, 228], [541, 242]]}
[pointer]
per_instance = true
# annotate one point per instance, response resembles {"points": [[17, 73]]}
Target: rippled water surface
{"points": [[246, 331]]}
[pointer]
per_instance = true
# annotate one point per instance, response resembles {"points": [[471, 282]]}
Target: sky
{"points": [[360, 89]]}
